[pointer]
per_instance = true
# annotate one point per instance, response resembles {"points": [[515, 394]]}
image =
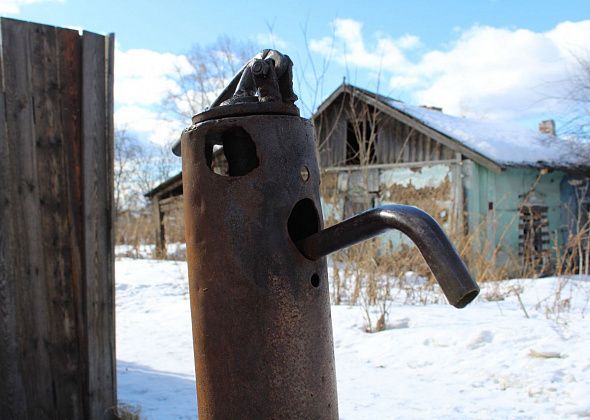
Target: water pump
{"points": [[256, 252]]}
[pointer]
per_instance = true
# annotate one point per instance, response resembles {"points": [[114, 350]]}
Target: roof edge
{"points": [[377, 101]]}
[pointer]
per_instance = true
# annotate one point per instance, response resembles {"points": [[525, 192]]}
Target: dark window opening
{"points": [[361, 139]]}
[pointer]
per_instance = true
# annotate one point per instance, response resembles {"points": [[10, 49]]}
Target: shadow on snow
{"points": [[159, 395]]}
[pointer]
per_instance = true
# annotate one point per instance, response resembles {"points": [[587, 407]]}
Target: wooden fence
{"points": [[57, 329]]}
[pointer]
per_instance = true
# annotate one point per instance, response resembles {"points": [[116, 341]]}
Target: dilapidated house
{"points": [[513, 192]]}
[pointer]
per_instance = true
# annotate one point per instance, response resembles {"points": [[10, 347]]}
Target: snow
{"points": [[175, 250], [486, 361], [504, 143]]}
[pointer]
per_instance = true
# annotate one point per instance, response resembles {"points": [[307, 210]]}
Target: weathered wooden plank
{"points": [[407, 139], [52, 184], [422, 148], [386, 144], [397, 144], [437, 151], [96, 86], [70, 79], [427, 147], [159, 228], [175, 200], [12, 403], [110, 391], [30, 285], [415, 139], [457, 222]]}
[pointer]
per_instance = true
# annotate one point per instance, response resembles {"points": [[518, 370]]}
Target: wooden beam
{"points": [[389, 165], [458, 196], [159, 230]]}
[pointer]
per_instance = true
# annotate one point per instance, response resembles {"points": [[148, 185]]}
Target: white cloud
{"points": [[148, 124], [143, 78], [13, 6], [348, 47], [408, 41], [485, 72], [499, 73]]}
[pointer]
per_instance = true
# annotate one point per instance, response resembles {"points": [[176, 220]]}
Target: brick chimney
{"points": [[547, 127]]}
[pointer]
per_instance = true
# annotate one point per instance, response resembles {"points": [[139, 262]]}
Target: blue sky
{"points": [[487, 59]]}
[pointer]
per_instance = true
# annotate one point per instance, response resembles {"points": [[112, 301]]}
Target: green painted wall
{"points": [[493, 200]]}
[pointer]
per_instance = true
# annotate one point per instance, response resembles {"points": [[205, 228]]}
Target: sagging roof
{"points": [[493, 144], [164, 185]]}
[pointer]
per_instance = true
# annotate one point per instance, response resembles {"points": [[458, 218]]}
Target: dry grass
{"points": [[134, 229], [127, 412], [137, 229], [374, 273]]}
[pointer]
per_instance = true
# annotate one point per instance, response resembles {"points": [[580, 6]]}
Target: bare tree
{"points": [[127, 151], [210, 69], [154, 167], [577, 99], [138, 168]]}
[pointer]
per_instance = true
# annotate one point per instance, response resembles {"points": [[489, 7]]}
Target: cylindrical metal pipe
{"points": [[439, 253], [260, 309]]}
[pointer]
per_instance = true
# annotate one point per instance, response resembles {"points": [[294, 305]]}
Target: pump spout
{"points": [[439, 253]]}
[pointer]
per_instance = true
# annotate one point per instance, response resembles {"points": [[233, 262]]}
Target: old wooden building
{"points": [[512, 191]]}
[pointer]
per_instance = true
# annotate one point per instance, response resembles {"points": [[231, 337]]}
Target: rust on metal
{"points": [[258, 281], [262, 330], [439, 253]]}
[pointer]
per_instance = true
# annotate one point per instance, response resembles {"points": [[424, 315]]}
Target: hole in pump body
{"points": [[230, 151], [304, 220], [304, 173], [315, 280]]}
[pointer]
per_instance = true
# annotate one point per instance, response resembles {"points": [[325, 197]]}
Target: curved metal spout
{"points": [[440, 255]]}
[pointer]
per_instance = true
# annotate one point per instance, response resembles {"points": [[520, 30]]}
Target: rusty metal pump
{"points": [[258, 277]]}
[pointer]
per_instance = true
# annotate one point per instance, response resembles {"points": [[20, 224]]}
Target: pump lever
{"points": [[439, 253]]}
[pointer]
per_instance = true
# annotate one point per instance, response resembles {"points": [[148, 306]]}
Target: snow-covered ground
{"points": [[485, 361]]}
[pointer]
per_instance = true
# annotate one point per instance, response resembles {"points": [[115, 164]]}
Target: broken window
{"points": [[534, 238]]}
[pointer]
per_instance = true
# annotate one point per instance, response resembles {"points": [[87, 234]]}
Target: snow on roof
{"points": [[506, 144]]}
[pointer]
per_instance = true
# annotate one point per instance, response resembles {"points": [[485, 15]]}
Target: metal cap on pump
{"points": [[263, 86]]}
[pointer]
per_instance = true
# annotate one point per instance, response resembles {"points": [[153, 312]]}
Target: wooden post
{"points": [[457, 224], [57, 331], [158, 221]]}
